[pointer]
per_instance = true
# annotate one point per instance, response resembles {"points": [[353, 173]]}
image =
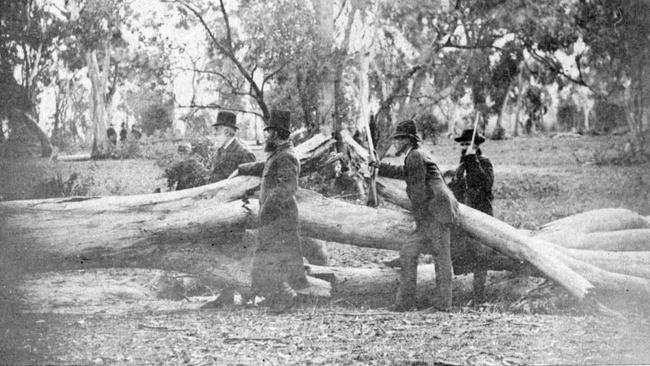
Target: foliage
{"points": [[618, 37], [74, 185], [607, 116], [187, 173], [154, 111], [568, 116]]}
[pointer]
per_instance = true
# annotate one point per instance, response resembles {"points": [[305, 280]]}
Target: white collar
{"points": [[406, 153], [227, 143]]}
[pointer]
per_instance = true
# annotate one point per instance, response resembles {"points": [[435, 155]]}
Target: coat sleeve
{"points": [[480, 174], [281, 196], [391, 171], [457, 184], [254, 168]]}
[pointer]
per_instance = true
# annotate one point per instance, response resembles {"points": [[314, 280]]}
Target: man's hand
{"points": [[374, 164], [245, 169], [234, 174], [470, 150]]}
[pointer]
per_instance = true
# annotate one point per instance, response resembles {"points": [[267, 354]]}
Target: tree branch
{"points": [[257, 94], [225, 19], [218, 106]]}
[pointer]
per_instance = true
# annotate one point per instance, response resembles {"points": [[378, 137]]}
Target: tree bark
{"points": [[99, 113], [327, 90], [630, 240], [46, 146]]}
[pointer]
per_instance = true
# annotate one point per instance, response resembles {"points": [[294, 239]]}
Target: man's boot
{"points": [[407, 294], [284, 298], [444, 272], [478, 284]]}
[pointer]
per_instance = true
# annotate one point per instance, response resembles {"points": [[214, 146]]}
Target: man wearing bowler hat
{"points": [[278, 270], [472, 185], [231, 151], [435, 210]]}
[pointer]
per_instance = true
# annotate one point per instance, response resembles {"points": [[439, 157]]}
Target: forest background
{"points": [[72, 69]]}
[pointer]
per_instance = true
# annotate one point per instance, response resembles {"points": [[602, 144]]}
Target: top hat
{"points": [[466, 136], [227, 119], [406, 129], [279, 120]]}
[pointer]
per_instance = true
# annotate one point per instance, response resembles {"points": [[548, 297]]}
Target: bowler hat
{"points": [[466, 136], [280, 120], [406, 129], [227, 119]]}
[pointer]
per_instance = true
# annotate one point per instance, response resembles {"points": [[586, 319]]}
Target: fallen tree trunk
{"points": [[78, 227], [630, 240], [606, 219], [505, 239], [75, 226], [610, 282]]}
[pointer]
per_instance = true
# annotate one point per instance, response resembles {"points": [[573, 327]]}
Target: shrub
{"points": [[75, 185]]}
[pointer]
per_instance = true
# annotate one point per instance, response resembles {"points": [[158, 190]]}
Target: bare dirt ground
{"points": [[138, 316]]}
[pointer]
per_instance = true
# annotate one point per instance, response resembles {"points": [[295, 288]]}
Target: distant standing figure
{"points": [[135, 133], [123, 133], [112, 136], [278, 270], [435, 210], [472, 185], [231, 152]]}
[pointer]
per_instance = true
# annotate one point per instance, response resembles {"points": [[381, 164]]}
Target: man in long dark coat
{"points": [[472, 185], [278, 269], [231, 152], [435, 210]]}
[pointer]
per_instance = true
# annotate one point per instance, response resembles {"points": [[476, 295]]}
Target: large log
{"points": [[505, 239], [623, 279], [630, 240], [606, 219]]}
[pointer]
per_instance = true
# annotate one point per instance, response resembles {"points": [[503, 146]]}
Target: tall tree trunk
{"points": [[504, 106], [327, 89], [520, 98], [99, 113], [364, 90], [636, 98], [46, 147]]}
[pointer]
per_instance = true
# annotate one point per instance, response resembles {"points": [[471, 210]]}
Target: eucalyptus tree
{"points": [[29, 35], [617, 34]]}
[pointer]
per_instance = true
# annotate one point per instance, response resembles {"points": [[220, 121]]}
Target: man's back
{"points": [[228, 159]]}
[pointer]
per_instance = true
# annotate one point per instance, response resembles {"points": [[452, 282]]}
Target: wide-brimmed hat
{"points": [[466, 136], [279, 120], [227, 119], [406, 129]]}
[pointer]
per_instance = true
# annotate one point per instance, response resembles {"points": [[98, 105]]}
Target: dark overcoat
{"points": [[279, 256], [430, 197], [228, 159], [473, 180]]}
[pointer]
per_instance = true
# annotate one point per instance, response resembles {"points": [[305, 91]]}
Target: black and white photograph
{"points": [[312, 182]]}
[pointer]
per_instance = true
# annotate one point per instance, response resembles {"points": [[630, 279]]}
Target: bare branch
{"points": [[552, 65], [225, 19], [218, 106], [257, 93], [209, 72], [272, 74]]}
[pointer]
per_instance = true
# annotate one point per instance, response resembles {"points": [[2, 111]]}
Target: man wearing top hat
{"points": [[231, 152], [472, 185], [435, 210], [278, 270]]}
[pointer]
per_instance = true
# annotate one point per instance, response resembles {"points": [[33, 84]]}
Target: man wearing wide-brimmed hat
{"points": [[278, 270], [472, 185], [231, 151], [435, 210]]}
